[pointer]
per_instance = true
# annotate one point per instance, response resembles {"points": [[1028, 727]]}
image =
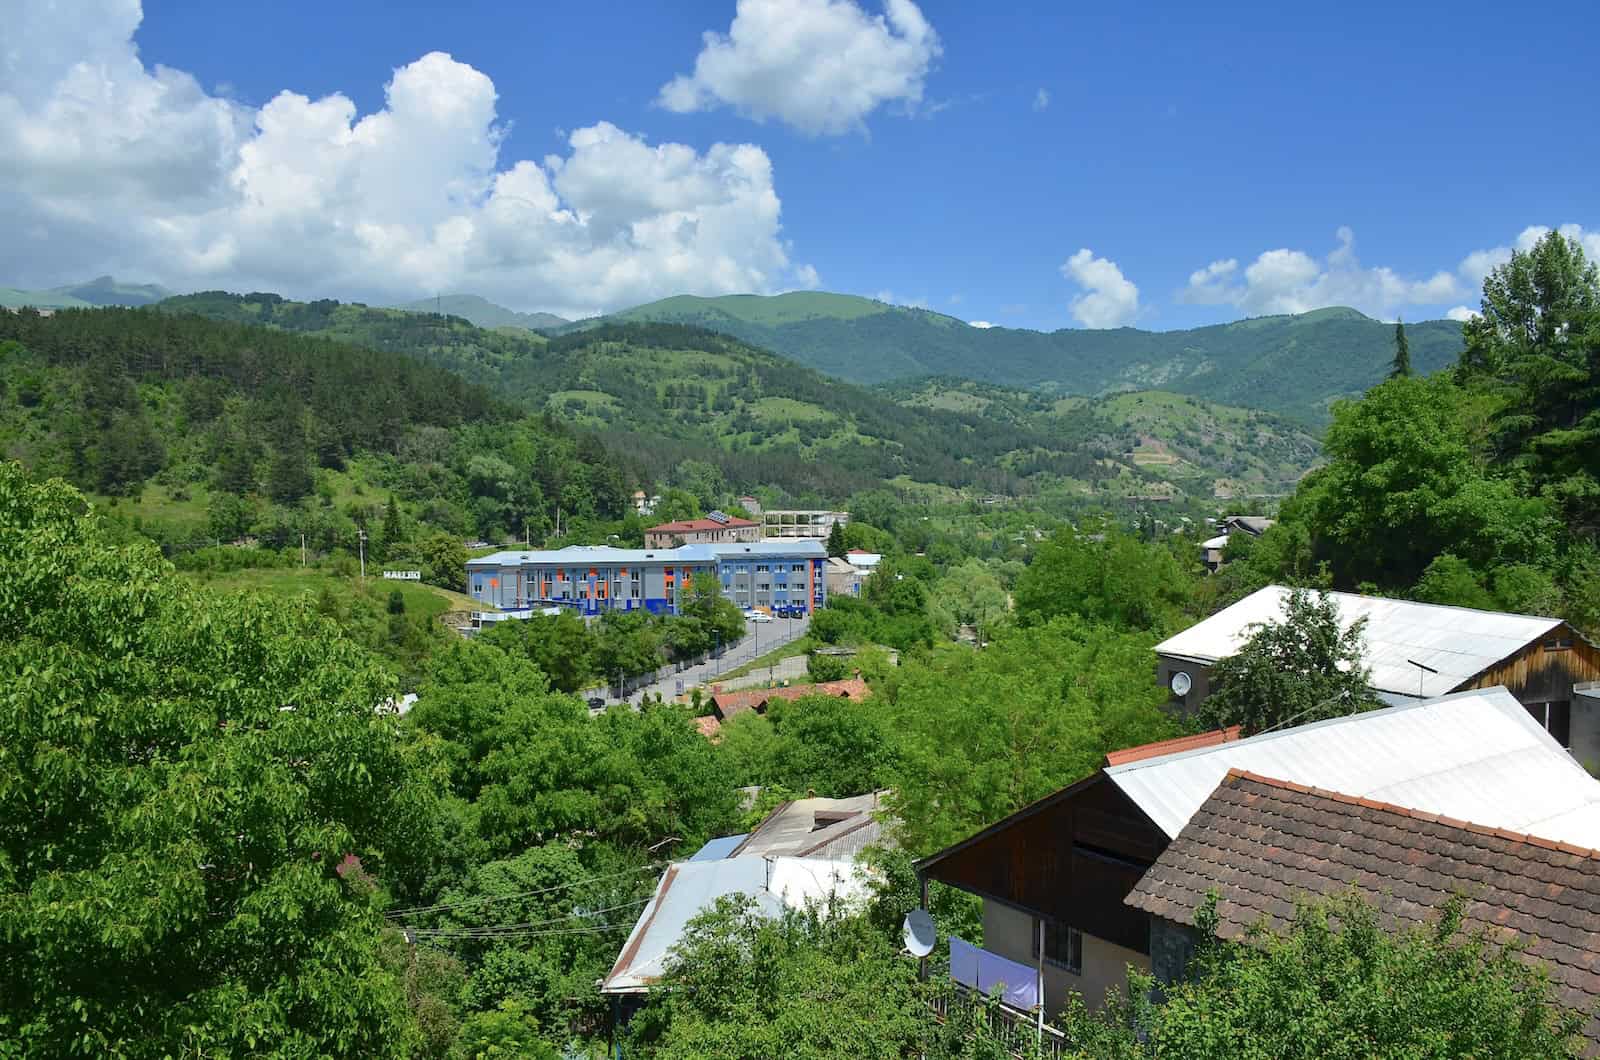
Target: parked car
{"points": [[596, 702], [760, 616]]}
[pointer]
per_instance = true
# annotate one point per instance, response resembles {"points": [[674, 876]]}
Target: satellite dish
{"points": [[919, 933], [1181, 684]]}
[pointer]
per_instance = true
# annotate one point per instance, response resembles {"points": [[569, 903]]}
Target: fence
{"points": [[1016, 1032]]}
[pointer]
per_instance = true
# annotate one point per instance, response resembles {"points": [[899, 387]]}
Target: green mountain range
{"points": [[664, 393], [100, 291], [484, 313], [1294, 365]]}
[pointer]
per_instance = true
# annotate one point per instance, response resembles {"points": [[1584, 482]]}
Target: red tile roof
{"points": [[727, 704], [1260, 843], [690, 526], [1172, 746]]}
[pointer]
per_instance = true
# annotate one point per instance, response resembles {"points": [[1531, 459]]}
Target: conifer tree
{"points": [[836, 545], [1402, 352]]}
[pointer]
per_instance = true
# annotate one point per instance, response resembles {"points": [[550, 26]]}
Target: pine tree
{"points": [[836, 545], [1402, 352], [393, 531]]}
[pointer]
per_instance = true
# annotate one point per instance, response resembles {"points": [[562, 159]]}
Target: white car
{"points": [[759, 616]]}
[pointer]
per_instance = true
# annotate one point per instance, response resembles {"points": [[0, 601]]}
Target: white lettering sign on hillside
{"points": [[403, 575]]}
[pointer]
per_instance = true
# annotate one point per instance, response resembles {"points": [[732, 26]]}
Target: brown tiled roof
{"points": [[1172, 746], [1260, 843], [727, 704], [689, 526], [709, 727]]}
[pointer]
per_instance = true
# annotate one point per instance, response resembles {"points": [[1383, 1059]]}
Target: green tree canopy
{"points": [[1340, 985], [1113, 579], [1538, 342], [197, 797], [1301, 669]]}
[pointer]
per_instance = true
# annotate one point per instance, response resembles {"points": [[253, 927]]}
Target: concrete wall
{"points": [[1010, 933]]}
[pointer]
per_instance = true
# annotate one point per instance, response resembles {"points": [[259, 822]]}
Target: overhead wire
{"points": [[495, 929], [423, 910]]}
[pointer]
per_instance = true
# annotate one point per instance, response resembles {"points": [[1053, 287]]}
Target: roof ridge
{"points": [[1414, 814]]}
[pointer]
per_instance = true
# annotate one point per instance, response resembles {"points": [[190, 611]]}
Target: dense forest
{"points": [[113, 399]]}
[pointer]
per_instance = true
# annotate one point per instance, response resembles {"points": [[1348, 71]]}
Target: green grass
{"points": [[795, 647], [293, 581]]}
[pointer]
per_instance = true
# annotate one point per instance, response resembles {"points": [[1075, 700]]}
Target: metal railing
{"points": [[1019, 1033]]}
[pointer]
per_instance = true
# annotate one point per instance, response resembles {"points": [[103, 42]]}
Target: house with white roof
{"points": [[1417, 651], [1054, 876]]}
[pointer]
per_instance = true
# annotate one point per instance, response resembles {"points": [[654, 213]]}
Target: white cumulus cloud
{"points": [[1475, 266], [1110, 300], [1461, 313], [979, 324], [107, 165], [1292, 281], [819, 65]]}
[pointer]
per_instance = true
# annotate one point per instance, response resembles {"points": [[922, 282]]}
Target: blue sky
{"points": [[952, 155]]}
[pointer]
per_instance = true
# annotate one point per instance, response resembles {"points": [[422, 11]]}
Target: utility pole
{"points": [[361, 536], [302, 550]]}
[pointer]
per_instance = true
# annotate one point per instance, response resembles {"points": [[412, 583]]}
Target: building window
{"points": [[798, 567], [762, 568], [1558, 644], [1063, 946]]}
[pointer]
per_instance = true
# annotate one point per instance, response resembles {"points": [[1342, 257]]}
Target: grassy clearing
{"points": [[761, 662]]}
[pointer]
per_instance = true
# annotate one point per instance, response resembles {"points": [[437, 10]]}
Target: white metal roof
{"points": [[1476, 756], [588, 555], [1458, 642], [691, 887]]}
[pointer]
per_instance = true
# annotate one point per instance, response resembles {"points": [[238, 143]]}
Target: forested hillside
{"points": [[669, 393], [1295, 365], [484, 313], [1206, 448], [267, 426]]}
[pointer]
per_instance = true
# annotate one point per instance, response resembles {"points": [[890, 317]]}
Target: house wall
{"points": [[1541, 674], [1073, 860], [1199, 677], [1011, 932]]}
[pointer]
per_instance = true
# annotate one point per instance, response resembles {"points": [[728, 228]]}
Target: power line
{"points": [[426, 935], [491, 930], [425, 909]]}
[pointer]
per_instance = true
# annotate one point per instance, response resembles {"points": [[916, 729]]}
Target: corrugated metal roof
{"points": [[1458, 642], [719, 848], [691, 887], [1476, 756], [817, 828]]}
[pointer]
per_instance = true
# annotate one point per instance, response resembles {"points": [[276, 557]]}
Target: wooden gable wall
{"points": [[1073, 860], [1541, 674]]}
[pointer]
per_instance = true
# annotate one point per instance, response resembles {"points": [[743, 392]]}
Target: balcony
{"points": [[1018, 1033]]}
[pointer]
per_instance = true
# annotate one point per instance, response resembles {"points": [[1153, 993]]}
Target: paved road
{"points": [[760, 638]]}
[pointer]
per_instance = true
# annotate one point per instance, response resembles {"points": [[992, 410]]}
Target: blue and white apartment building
{"points": [[784, 576]]}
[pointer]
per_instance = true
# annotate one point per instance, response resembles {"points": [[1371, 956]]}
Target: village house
{"points": [[1054, 876], [1212, 549], [803, 852], [714, 529], [1258, 843], [1418, 651]]}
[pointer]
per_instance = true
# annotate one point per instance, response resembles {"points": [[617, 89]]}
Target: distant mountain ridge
{"points": [[1296, 365], [484, 313], [100, 291]]}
